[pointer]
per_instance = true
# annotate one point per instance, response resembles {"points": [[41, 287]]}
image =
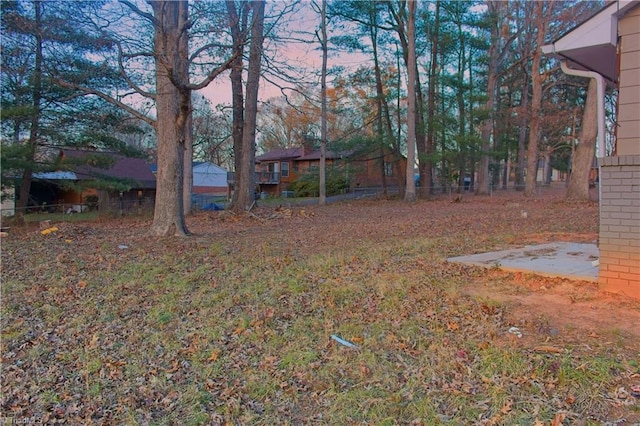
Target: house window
{"points": [[284, 167], [388, 169]]}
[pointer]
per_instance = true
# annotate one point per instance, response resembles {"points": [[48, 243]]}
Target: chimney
{"points": [[308, 145]]}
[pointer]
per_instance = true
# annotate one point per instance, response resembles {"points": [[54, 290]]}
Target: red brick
{"points": [[629, 249], [608, 274], [631, 277], [623, 287], [627, 262], [621, 256], [610, 260], [619, 268]]}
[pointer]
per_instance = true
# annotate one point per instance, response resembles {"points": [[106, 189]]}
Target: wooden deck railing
{"points": [[261, 177]]}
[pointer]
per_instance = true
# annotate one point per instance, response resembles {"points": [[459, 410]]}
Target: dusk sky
{"points": [[306, 57]]}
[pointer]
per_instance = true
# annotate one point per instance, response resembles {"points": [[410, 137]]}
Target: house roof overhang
{"points": [[57, 175], [592, 45]]}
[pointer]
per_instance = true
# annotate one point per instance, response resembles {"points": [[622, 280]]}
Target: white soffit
{"points": [[592, 44], [601, 30]]}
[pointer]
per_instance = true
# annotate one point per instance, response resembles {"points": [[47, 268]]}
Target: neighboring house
{"points": [[277, 169], [372, 165], [209, 183], [55, 188], [209, 179], [607, 47]]}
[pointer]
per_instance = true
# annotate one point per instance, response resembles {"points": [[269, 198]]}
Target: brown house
{"points": [[79, 179], [277, 169], [606, 47]]}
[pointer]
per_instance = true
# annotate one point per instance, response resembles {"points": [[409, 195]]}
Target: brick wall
{"points": [[619, 241]]}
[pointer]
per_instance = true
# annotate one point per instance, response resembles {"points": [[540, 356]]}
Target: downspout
{"points": [[600, 111], [600, 102]]}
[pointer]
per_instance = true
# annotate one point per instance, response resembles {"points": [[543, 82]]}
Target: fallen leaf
{"points": [[557, 419], [548, 349], [93, 343], [453, 326], [483, 345], [507, 407]]}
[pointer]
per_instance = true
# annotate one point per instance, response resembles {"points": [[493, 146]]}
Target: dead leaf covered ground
{"points": [[102, 324]]}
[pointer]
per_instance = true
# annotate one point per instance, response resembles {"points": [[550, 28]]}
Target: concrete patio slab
{"points": [[573, 261]]}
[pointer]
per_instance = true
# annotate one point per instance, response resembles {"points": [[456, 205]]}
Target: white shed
{"points": [[209, 179]]}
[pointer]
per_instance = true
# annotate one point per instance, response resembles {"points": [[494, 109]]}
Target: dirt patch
{"points": [[564, 308]]}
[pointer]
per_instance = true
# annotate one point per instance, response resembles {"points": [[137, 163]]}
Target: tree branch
{"points": [[139, 12], [110, 99], [198, 51], [128, 80], [213, 74]]}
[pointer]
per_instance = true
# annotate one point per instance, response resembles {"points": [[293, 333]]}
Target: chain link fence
{"points": [[75, 211]]}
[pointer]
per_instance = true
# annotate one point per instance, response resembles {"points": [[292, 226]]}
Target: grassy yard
{"points": [[103, 324], [62, 217]]}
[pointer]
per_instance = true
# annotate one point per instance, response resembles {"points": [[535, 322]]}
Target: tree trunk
{"points": [[251, 104], [188, 166], [460, 98], [506, 170], [380, 99], [34, 131], [487, 127], [323, 101], [410, 191], [536, 103], [401, 178], [534, 134], [424, 146], [420, 141], [172, 111], [242, 191], [522, 136], [425, 174], [546, 168], [188, 126], [525, 43], [578, 189]]}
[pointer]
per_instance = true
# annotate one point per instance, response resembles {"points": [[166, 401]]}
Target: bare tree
{"points": [[172, 98], [410, 191], [500, 45], [211, 134], [422, 143], [578, 189], [323, 101], [245, 111], [542, 13]]}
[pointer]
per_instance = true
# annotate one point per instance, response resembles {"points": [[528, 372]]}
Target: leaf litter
{"points": [[234, 325]]}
